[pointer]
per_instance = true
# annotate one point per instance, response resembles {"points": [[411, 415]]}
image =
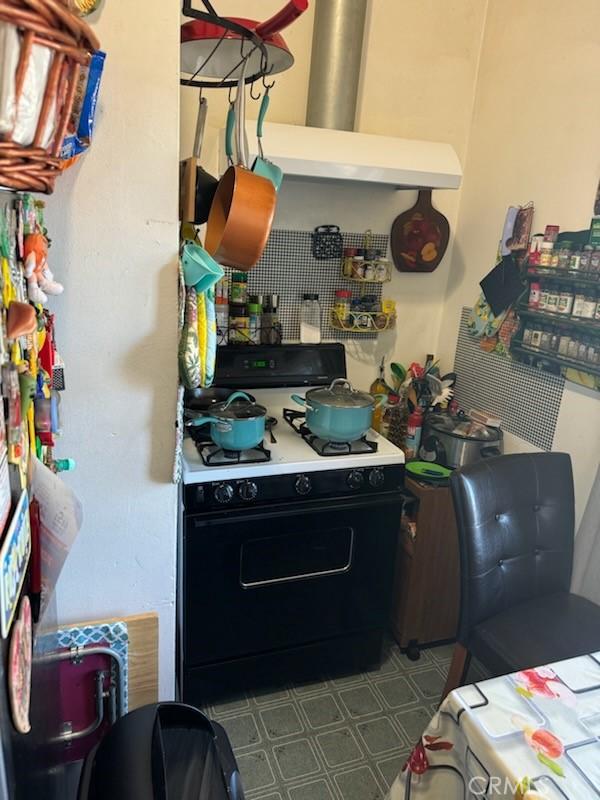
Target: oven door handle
{"points": [[304, 575]]}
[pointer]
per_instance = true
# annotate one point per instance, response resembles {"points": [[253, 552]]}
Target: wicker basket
{"points": [[48, 23]]}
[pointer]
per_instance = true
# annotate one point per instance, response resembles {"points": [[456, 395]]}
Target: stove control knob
{"points": [[248, 491], [224, 493], [355, 479], [376, 477], [303, 484]]}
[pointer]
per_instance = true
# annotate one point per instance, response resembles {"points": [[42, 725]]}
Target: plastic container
{"points": [[310, 320], [413, 434]]}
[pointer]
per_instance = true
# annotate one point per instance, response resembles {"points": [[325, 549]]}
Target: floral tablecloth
{"points": [[533, 734]]}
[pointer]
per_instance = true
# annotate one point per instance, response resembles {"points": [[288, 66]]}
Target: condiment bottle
{"points": [[342, 304], [254, 322], [546, 249], [413, 434], [552, 301], [534, 295], [239, 288], [238, 324], [349, 253], [565, 300]]}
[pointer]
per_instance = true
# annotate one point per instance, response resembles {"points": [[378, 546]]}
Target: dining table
{"points": [[529, 735]]}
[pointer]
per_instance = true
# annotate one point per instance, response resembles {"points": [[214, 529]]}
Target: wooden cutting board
{"points": [[419, 236], [142, 630]]}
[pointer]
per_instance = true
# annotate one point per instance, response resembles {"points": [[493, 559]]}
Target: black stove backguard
{"points": [[275, 366]]}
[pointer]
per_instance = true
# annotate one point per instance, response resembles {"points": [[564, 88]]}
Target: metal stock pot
{"points": [[337, 413]]}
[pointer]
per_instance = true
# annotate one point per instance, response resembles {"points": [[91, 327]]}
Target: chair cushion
{"points": [[543, 630]]}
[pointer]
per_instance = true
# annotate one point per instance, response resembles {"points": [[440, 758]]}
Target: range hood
{"points": [[334, 155], [327, 148]]}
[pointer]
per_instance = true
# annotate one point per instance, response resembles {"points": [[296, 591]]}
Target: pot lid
{"points": [[238, 406], [341, 395], [463, 428]]}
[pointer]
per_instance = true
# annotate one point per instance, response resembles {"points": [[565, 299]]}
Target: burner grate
{"points": [[214, 456], [296, 419]]}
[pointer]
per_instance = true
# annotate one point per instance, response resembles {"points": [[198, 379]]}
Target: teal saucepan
{"points": [[337, 413], [236, 424]]}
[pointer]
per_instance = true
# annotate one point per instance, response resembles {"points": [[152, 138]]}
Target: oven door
{"points": [[268, 578]]}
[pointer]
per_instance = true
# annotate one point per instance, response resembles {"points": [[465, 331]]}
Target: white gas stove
{"points": [[291, 453]]}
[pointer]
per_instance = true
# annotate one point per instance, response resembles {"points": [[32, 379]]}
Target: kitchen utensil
{"points": [[237, 424], [458, 440], [216, 50], [427, 471], [198, 187], [337, 413], [419, 236], [243, 208], [262, 166], [200, 270], [327, 242], [269, 425]]}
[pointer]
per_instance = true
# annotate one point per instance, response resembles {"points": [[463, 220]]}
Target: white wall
{"points": [[113, 221], [534, 137]]}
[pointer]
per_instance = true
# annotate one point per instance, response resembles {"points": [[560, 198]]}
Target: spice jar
{"points": [[595, 262], [573, 348], [349, 253], [342, 304], [575, 261], [238, 324], [382, 270], [564, 254], [589, 305], [552, 301], [597, 311], [582, 350], [565, 300], [586, 255], [545, 338], [239, 288], [527, 335], [546, 249], [358, 266], [254, 318], [578, 303], [534, 295], [543, 304], [563, 344], [369, 271], [536, 336]]}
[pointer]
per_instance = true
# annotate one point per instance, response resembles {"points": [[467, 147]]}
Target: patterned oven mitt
{"points": [[189, 349]]}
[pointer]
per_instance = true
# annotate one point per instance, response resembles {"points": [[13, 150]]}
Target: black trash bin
{"points": [[165, 751]]}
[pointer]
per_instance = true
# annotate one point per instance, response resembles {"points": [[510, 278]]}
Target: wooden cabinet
{"points": [[427, 580]]}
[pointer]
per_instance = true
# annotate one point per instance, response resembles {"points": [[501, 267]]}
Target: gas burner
{"points": [[296, 419], [214, 456]]}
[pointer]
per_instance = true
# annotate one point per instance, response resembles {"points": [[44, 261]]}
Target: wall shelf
{"points": [[564, 276], [553, 358], [588, 326]]}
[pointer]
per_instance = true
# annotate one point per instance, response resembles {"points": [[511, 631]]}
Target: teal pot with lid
{"points": [[337, 413], [237, 424]]}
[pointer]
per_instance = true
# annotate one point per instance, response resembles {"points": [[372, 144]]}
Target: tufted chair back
{"points": [[515, 518]]}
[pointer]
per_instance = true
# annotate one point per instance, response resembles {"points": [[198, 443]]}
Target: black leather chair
{"points": [[515, 518]]}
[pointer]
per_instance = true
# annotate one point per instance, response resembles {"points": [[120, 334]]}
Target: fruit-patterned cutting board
{"points": [[419, 236]]}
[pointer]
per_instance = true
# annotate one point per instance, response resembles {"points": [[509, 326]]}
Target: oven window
{"points": [[291, 557]]}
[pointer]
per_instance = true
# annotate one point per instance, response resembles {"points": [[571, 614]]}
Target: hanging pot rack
{"points": [[214, 48]]}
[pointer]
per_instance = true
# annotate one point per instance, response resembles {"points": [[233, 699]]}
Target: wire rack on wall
{"points": [[214, 48]]}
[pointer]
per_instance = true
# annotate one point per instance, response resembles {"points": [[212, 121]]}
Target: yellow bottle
{"points": [[379, 387]]}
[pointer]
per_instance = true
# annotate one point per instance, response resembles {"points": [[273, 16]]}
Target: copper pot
{"points": [[243, 208]]}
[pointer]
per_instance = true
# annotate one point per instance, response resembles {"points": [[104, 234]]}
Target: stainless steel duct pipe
{"points": [[335, 64]]}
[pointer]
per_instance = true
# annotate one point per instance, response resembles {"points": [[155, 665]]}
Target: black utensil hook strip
{"points": [[212, 17]]}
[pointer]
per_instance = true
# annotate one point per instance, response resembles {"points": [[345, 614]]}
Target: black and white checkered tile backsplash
{"points": [[287, 268], [526, 399]]}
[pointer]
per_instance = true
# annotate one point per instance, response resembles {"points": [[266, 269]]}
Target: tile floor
{"points": [[337, 738]]}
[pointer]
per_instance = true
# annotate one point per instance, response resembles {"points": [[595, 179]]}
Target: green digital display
{"points": [[260, 364]]}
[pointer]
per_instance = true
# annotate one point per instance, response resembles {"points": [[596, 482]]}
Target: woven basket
{"points": [[48, 23]]}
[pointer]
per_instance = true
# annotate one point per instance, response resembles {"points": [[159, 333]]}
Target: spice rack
{"points": [[568, 338], [376, 321], [377, 266]]}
